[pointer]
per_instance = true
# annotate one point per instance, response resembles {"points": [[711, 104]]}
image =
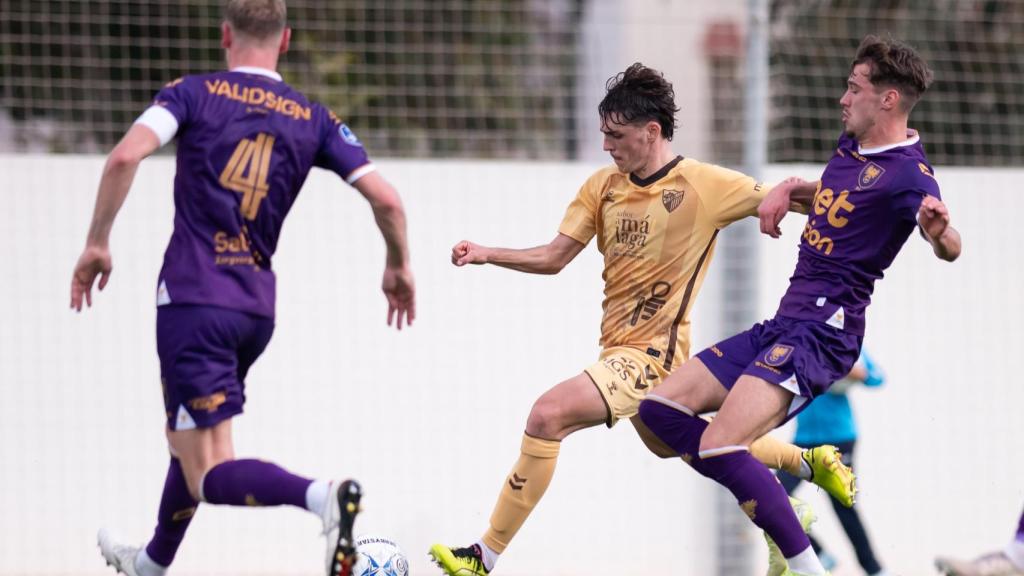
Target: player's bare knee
{"points": [[546, 420]]}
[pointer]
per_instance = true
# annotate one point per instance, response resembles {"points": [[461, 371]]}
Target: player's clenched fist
{"points": [[466, 252]]}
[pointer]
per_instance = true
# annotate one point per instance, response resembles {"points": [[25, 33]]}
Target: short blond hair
{"points": [[257, 19]]}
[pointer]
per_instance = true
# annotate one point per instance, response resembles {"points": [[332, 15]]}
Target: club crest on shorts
{"points": [[869, 175], [671, 199], [778, 355]]}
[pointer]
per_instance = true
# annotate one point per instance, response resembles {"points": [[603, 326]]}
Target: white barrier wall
{"points": [[430, 418]]}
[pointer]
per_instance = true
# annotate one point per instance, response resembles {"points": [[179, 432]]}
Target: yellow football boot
{"points": [[459, 561], [829, 472]]}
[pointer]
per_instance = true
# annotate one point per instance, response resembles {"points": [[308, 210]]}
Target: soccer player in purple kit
{"points": [[1006, 562], [876, 189], [246, 142]]}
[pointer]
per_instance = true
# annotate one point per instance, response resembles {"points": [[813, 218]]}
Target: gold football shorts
{"points": [[624, 376]]}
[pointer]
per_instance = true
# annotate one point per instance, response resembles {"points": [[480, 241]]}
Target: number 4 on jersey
{"points": [[246, 172]]}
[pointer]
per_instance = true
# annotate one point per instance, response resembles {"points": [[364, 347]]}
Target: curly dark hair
{"points": [[640, 94], [895, 64]]}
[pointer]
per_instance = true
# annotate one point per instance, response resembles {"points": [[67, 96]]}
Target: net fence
{"points": [[972, 115], [501, 78], [421, 78]]}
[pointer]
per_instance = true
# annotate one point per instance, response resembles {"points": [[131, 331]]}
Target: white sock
{"points": [[145, 566], [316, 496], [490, 557], [805, 470], [1015, 552], [807, 563], [881, 572]]}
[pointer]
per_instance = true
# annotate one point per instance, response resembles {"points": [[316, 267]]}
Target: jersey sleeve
{"points": [[728, 195], [920, 183], [179, 98], [580, 220], [341, 151]]}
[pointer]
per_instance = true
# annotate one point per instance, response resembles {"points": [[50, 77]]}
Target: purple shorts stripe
{"points": [[205, 354]]}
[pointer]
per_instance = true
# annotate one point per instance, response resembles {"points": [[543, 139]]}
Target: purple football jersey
{"points": [[246, 143], [864, 210]]}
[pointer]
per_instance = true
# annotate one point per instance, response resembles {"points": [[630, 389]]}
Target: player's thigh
{"points": [[693, 386], [199, 449], [752, 408], [569, 406]]}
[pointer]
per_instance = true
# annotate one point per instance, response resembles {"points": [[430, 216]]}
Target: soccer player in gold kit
{"points": [[656, 216]]}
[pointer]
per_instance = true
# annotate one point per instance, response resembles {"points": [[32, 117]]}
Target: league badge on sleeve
{"points": [[348, 135]]}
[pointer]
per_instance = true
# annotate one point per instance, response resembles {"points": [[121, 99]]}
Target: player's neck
{"points": [[658, 159], [885, 134], [252, 57]]}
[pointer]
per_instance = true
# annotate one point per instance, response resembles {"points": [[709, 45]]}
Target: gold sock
{"points": [[523, 489], [777, 454]]}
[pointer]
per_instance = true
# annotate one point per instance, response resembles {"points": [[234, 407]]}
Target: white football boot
{"points": [[338, 516], [120, 556]]}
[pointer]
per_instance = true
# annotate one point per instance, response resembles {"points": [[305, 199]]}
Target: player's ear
{"points": [[286, 38], [225, 35], [653, 131], [891, 99]]}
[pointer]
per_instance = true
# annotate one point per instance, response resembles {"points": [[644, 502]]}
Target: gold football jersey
{"points": [[657, 236]]}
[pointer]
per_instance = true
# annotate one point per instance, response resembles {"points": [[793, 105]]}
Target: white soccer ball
{"points": [[379, 556]]}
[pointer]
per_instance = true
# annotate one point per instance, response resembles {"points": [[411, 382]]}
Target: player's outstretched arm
{"points": [[398, 285], [547, 259], [933, 217], [780, 200], [140, 141]]}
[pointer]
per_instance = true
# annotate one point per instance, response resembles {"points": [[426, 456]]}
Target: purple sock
{"points": [[176, 511], [253, 483], [761, 496], [679, 430], [755, 487], [1020, 529]]}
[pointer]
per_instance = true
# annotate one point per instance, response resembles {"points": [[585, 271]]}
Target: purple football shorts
{"points": [[803, 356], [205, 353]]}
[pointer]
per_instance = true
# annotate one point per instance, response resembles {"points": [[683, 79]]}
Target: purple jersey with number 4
{"points": [[246, 142], [864, 210]]}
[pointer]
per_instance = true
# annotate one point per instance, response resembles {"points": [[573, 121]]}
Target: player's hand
{"points": [[933, 217], [775, 206], [94, 261], [466, 252], [400, 290]]}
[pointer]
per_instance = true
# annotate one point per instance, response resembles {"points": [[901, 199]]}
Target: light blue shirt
{"points": [[829, 417]]}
